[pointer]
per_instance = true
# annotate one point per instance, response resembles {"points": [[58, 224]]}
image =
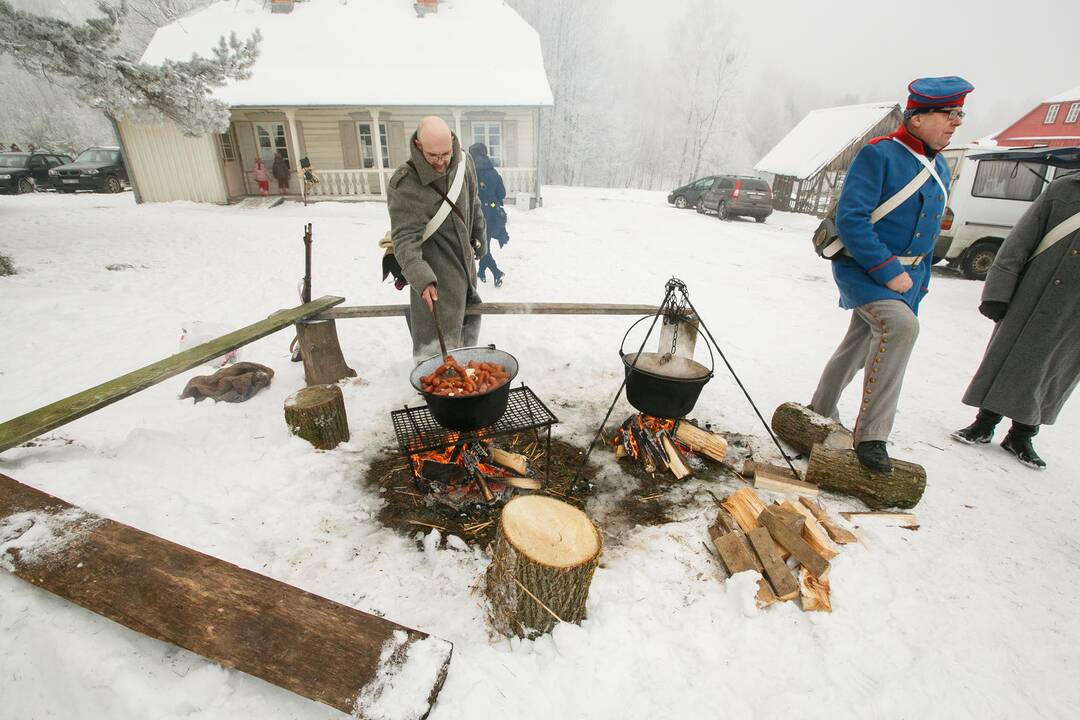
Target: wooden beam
{"points": [[307, 644], [34, 423], [904, 520], [766, 479], [375, 311]]}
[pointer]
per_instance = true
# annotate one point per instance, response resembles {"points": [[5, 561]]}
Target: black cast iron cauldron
{"points": [[662, 385], [471, 412]]}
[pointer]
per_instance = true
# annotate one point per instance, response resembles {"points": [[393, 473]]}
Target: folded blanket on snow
{"points": [[235, 383]]}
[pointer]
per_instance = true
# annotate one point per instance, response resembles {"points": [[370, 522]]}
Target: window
{"points": [[270, 138], [490, 133], [228, 150], [1074, 112], [367, 147], [1051, 114], [727, 184], [37, 162], [755, 185], [1008, 180], [54, 161]]}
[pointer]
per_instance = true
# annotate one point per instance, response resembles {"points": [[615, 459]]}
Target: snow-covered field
{"points": [[970, 616]]}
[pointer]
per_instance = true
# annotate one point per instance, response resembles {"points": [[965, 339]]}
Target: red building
{"points": [[1054, 123]]}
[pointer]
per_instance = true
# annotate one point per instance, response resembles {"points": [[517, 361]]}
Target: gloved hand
{"points": [[476, 245], [993, 309]]}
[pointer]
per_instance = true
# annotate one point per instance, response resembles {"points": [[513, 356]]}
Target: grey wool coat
{"points": [[447, 258], [1032, 362]]}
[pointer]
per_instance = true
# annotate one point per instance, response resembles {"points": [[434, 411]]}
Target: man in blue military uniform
{"points": [[888, 218]]}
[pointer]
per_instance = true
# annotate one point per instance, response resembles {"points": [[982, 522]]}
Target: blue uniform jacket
{"points": [[880, 170]]}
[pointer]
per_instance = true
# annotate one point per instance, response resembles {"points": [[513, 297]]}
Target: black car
{"points": [[689, 195], [96, 168], [23, 172], [736, 195]]}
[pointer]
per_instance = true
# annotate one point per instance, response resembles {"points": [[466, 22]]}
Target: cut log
{"points": [[784, 584], [765, 479], [745, 506], [317, 414], [814, 592], [675, 462], [510, 460], [700, 440], [542, 563], [321, 351], [840, 535], [791, 540], [732, 546], [802, 428], [904, 520], [307, 644], [812, 532], [840, 471]]}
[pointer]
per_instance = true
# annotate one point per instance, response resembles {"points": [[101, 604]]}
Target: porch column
{"points": [[290, 120], [457, 126], [376, 143]]}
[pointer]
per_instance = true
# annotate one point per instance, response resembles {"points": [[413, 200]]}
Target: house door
{"points": [[270, 138]]}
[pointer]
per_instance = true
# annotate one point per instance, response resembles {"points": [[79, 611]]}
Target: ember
{"points": [[471, 471], [662, 443]]}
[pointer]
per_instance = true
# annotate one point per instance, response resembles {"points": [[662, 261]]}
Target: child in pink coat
{"points": [[262, 177]]}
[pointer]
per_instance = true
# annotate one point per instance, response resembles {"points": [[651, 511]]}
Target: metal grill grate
{"points": [[417, 431]]}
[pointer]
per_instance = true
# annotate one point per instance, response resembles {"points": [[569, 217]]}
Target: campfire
{"points": [[678, 446], [471, 471]]}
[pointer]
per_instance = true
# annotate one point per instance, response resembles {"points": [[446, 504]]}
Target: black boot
{"points": [[981, 431], [872, 456], [1018, 442]]}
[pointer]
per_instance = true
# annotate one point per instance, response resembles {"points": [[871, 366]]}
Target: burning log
{"points": [[648, 441], [642, 450], [802, 428], [509, 460], [674, 459], [700, 440], [317, 414], [542, 564], [442, 474]]}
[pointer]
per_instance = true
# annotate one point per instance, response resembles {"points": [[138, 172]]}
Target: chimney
{"points": [[281, 6], [424, 7]]}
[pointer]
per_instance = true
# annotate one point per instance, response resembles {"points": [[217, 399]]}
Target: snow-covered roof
{"points": [[821, 136], [370, 52], [1071, 94]]}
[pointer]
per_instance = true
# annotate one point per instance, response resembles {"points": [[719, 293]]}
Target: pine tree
{"points": [[86, 59]]}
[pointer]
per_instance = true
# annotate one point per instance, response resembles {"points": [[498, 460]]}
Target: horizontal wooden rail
{"points": [[34, 423], [374, 311]]}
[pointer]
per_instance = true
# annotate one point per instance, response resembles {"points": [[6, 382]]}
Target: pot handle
{"points": [[622, 345]]}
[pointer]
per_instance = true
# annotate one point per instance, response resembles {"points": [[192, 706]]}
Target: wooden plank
{"points": [[784, 584], [840, 535], [813, 533], [765, 479], [904, 520], [314, 647], [375, 311], [792, 541], [34, 423]]}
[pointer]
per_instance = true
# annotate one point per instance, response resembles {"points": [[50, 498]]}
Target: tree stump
{"points": [[802, 428], [317, 414], [542, 564], [321, 352], [840, 471]]}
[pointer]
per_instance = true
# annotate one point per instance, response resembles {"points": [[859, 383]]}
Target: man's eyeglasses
{"points": [[953, 113]]}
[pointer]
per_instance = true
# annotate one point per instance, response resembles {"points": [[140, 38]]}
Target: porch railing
{"points": [[365, 183]]}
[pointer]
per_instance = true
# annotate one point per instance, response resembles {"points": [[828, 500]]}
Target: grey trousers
{"points": [[879, 340]]}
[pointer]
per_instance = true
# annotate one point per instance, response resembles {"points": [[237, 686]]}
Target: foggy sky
{"points": [[830, 51]]}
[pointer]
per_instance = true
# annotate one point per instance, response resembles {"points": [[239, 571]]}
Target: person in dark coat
{"points": [[492, 194], [280, 170], [1032, 363]]}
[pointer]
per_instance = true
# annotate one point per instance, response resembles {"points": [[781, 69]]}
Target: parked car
{"points": [[986, 199], [97, 168], [23, 172], [734, 195], [689, 195]]}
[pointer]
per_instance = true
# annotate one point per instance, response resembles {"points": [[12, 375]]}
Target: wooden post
{"points": [[321, 351], [802, 428], [542, 564], [840, 471], [317, 414]]}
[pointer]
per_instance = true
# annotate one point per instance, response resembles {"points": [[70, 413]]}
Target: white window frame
{"points": [[276, 132], [1074, 113], [1051, 114], [228, 146], [367, 150], [481, 132]]}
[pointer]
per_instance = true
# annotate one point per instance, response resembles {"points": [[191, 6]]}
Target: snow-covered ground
{"points": [[970, 616]]}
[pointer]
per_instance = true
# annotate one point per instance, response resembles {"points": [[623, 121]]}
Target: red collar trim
{"points": [[901, 133]]}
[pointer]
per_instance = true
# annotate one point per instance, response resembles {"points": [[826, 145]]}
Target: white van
{"points": [[986, 199]]}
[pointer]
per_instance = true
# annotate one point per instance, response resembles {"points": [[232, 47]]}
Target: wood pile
{"points": [[790, 544], [661, 444]]}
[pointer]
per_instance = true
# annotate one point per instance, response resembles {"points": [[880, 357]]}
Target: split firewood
{"points": [[731, 545], [814, 592], [750, 467], [700, 440], [524, 483], [792, 541], [904, 520], [840, 535], [645, 455], [745, 505], [766, 479], [784, 584], [676, 463], [802, 428], [765, 595], [509, 460], [840, 471], [813, 533], [620, 451]]}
